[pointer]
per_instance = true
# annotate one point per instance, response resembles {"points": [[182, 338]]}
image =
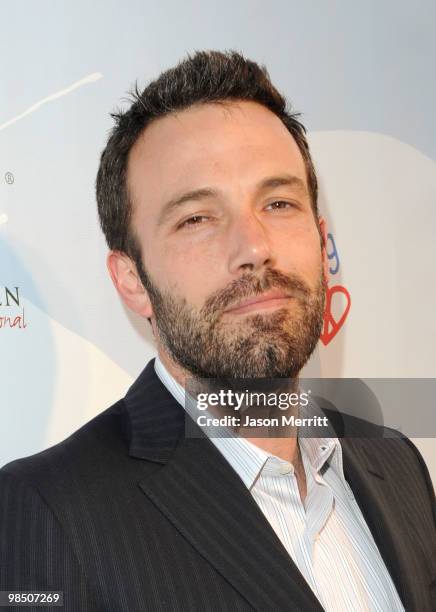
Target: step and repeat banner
{"points": [[359, 74]]}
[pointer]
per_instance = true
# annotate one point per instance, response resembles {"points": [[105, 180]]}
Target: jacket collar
{"points": [[155, 419]]}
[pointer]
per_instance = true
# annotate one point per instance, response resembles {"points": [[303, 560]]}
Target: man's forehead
{"points": [[177, 151]]}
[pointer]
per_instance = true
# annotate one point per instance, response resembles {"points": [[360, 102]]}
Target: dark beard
{"points": [[273, 344]]}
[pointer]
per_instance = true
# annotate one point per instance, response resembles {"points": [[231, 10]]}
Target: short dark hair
{"points": [[206, 76]]}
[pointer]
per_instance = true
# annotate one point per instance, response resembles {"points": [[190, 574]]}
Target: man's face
{"points": [[222, 212]]}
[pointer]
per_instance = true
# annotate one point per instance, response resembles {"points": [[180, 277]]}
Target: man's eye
{"points": [[192, 221], [289, 204]]}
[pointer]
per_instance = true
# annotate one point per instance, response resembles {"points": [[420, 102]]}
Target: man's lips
{"points": [[271, 299]]}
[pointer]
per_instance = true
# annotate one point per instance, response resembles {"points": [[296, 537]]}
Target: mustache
{"points": [[250, 285]]}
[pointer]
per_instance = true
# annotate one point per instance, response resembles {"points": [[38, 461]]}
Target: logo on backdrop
{"points": [[11, 311], [338, 299]]}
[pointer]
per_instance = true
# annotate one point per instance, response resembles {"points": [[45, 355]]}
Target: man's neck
{"points": [[285, 448]]}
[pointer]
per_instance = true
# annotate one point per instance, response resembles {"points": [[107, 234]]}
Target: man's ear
{"points": [[323, 230], [126, 279]]}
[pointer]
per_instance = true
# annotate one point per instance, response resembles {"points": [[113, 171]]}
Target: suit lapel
{"points": [[206, 501]]}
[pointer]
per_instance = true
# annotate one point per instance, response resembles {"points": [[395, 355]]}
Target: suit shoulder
{"points": [[97, 441], [425, 474]]}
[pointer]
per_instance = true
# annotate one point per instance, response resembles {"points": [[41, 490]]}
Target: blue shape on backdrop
{"points": [[333, 254]]}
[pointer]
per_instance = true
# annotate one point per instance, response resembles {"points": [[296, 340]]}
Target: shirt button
{"points": [[286, 468]]}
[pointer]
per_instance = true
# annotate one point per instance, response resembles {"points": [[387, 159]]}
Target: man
{"points": [[207, 196]]}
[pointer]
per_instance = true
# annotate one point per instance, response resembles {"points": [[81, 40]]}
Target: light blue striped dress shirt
{"points": [[326, 536]]}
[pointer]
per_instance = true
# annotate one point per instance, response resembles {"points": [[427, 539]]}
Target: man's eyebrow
{"points": [[189, 196], [284, 180], [270, 182]]}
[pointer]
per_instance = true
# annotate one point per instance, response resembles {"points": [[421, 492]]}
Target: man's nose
{"points": [[249, 244]]}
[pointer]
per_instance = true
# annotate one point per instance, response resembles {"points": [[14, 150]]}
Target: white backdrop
{"points": [[358, 72]]}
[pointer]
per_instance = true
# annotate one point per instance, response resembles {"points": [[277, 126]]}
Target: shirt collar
{"points": [[247, 459]]}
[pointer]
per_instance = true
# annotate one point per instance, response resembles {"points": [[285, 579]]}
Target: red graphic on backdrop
{"points": [[331, 326], [10, 315]]}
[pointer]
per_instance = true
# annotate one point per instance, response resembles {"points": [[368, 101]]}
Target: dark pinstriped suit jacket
{"points": [[128, 515]]}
